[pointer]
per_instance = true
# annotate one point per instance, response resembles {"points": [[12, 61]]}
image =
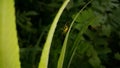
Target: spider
{"points": [[65, 29]]}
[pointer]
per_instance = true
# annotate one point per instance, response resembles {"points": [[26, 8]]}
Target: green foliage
{"points": [[62, 54], [117, 56], [92, 41], [9, 49], [83, 24], [45, 54]]}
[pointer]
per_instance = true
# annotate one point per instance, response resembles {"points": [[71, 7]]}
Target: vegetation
{"points": [[93, 39], [84, 33], [9, 50]]}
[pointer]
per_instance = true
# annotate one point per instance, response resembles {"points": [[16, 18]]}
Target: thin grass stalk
{"points": [[45, 53], [62, 54], [78, 41]]}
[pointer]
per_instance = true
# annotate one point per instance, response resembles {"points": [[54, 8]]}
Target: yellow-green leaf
{"points": [[9, 50]]}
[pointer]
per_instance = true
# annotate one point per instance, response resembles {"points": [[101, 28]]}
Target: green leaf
{"points": [[31, 13], [9, 50], [62, 54], [83, 18], [117, 56], [83, 47], [106, 30], [45, 53], [75, 3], [85, 15], [94, 59]]}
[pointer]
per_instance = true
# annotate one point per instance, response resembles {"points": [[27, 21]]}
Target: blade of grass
{"points": [[9, 50], [62, 54], [78, 40], [45, 54]]}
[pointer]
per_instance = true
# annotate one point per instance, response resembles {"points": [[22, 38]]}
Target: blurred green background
{"points": [[100, 45]]}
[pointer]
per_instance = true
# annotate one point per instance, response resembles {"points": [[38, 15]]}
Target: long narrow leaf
{"points": [[62, 54], [45, 54], [78, 40], [9, 50]]}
